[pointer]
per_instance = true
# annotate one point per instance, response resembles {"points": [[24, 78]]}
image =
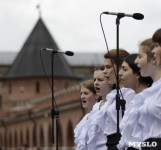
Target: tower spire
{"points": [[39, 10]]}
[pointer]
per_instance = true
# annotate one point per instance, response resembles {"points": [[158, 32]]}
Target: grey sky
{"points": [[75, 25]]}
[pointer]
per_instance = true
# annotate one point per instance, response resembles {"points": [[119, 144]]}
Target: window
{"points": [[37, 87], [0, 102], [9, 88]]}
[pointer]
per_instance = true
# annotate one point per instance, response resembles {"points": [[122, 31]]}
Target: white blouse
{"points": [[128, 95], [129, 121], [103, 122], [150, 112], [96, 138], [81, 130], [143, 118]]}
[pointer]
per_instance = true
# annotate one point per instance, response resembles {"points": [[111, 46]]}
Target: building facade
{"points": [[38, 112]]}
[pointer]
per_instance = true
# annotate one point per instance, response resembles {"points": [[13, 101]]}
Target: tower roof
{"points": [[28, 62]]}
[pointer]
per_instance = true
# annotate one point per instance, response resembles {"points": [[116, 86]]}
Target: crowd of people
{"points": [[138, 125]]}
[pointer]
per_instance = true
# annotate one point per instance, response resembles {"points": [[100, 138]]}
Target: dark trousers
{"points": [[152, 144], [112, 141]]}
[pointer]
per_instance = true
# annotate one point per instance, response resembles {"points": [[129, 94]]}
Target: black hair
{"points": [[130, 61]]}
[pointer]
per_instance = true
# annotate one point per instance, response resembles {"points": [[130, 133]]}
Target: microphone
{"points": [[69, 53], [136, 16]]}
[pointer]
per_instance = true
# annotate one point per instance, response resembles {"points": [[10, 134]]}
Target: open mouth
{"points": [[139, 68], [97, 89], [121, 80], [84, 101]]}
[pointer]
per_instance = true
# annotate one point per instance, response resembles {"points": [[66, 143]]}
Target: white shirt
{"points": [[80, 133], [150, 112], [129, 121], [104, 121], [81, 130], [143, 119], [128, 95], [96, 138]]}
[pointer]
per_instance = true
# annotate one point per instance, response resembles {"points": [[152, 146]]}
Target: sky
{"points": [[75, 24]]}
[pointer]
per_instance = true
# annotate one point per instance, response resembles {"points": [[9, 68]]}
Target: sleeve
{"points": [[154, 103], [154, 107]]}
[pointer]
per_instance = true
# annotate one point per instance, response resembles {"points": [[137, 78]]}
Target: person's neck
{"points": [[140, 87], [104, 96], [89, 109], [156, 75]]}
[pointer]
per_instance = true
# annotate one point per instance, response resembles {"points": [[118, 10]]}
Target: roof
{"points": [[28, 61]]}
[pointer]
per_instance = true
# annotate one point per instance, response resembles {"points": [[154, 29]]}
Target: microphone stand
{"points": [[113, 139], [53, 111], [118, 101]]}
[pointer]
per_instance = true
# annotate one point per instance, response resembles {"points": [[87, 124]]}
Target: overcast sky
{"points": [[75, 24]]}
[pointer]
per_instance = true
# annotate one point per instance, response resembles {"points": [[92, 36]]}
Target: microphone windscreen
{"points": [[69, 53], [138, 16]]}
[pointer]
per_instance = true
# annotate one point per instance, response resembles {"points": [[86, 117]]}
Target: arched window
{"points": [[34, 135], [15, 138], [9, 88], [0, 102], [37, 87], [60, 135], [21, 138], [41, 137], [10, 139], [5, 137], [49, 136], [1, 143], [70, 135], [27, 137]]}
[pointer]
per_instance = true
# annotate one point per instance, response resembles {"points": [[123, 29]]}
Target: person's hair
{"points": [[130, 61], [157, 36], [89, 84], [112, 54], [147, 46], [100, 67]]}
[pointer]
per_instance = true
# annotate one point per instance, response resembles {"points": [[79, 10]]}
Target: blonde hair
{"points": [[147, 46]]}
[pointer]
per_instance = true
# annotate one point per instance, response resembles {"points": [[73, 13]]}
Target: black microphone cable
{"points": [[47, 77], [54, 109], [108, 50]]}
